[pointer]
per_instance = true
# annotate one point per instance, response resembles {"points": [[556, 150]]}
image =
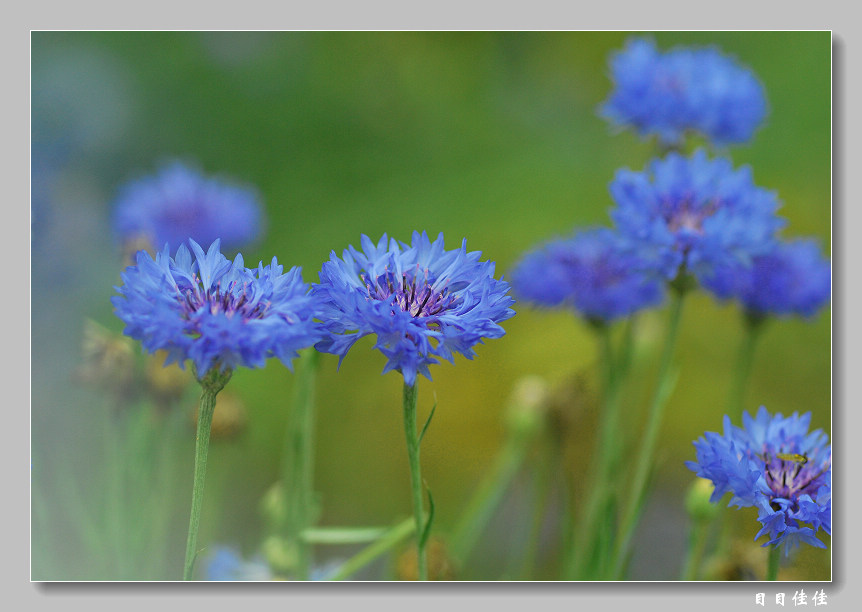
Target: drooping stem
{"points": [[298, 467], [410, 396], [772, 563], [212, 382], [643, 462]]}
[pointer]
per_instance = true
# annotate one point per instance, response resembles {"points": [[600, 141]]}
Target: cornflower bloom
{"points": [[686, 88], [216, 313], [693, 214], [776, 465], [792, 278], [589, 272], [219, 315], [420, 300], [179, 203], [685, 217]]}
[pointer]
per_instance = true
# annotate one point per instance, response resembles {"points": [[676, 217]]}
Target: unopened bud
{"points": [[273, 507], [697, 502], [528, 405], [281, 556]]}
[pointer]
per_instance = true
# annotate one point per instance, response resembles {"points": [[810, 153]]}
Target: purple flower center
{"points": [[790, 475], [686, 215], [229, 302], [413, 293], [670, 84]]}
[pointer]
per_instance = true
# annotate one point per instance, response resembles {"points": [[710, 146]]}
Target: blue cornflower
{"points": [[791, 278], [776, 465], [590, 272], [225, 563], [694, 214], [217, 313], [686, 88], [420, 300], [179, 203]]}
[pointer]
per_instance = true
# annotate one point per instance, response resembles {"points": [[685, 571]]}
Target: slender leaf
{"points": [[427, 531], [427, 423], [343, 535]]}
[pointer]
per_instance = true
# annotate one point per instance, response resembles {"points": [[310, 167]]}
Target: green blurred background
{"points": [[489, 136]]}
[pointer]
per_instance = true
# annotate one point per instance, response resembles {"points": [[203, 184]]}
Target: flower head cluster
{"points": [[697, 89], [694, 214], [791, 278], [590, 272], [217, 313], [775, 464], [420, 300], [179, 203]]}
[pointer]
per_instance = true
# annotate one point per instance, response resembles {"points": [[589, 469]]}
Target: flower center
{"points": [[671, 84], [687, 215], [235, 300], [790, 475], [413, 293]]}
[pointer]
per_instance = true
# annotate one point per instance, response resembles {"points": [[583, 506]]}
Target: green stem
{"points": [[372, 551], [567, 539], [410, 396], [643, 463], [772, 563], [697, 538], [540, 507], [211, 384], [604, 467], [298, 467], [744, 360], [343, 535], [622, 364]]}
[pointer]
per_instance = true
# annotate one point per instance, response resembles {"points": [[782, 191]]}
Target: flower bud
{"points": [[527, 406], [281, 556], [697, 502]]}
